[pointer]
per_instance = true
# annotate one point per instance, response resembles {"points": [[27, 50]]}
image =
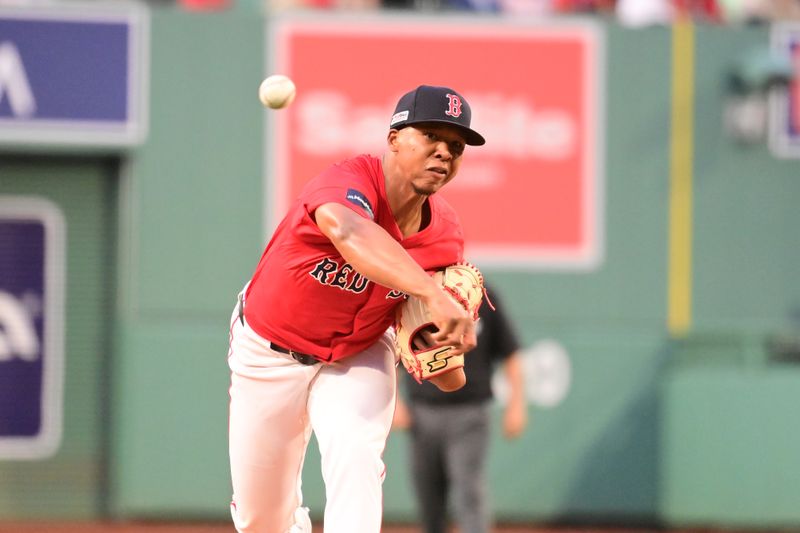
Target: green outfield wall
{"points": [[701, 429], [73, 483]]}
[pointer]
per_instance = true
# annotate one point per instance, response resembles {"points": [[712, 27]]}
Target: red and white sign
{"points": [[532, 196]]}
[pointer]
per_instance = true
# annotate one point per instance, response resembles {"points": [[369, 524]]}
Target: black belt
{"points": [[302, 358]]}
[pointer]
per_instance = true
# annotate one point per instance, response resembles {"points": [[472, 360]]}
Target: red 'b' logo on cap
{"points": [[455, 106]]}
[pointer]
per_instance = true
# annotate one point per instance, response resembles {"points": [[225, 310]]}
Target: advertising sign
{"points": [[532, 196], [785, 101], [73, 74], [31, 327]]}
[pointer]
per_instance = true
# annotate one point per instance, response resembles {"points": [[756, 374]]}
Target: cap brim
{"points": [[471, 137]]}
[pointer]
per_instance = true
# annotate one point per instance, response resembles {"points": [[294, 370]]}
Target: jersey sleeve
{"points": [[349, 184]]}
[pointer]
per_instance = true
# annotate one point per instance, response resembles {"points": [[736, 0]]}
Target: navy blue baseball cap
{"points": [[441, 105]]}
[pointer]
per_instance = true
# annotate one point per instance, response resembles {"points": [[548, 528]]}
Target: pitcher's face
{"points": [[429, 155]]}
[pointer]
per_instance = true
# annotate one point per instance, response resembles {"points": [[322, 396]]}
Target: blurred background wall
{"points": [[651, 425]]}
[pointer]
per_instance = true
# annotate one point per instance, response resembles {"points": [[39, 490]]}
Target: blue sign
{"points": [[31, 327], [784, 139], [73, 75]]}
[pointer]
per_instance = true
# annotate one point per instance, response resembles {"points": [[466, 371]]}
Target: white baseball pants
{"points": [[275, 403]]}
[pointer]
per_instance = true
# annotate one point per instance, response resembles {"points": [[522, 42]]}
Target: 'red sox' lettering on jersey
{"points": [[329, 272], [393, 294]]}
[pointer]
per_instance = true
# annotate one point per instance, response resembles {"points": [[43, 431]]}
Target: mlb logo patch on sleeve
{"points": [[356, 197]]}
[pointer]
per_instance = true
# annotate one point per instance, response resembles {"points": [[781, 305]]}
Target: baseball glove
{"points": [[464, 283]]}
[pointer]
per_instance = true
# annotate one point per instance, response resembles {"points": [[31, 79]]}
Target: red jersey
{"points": [[306, 297]]}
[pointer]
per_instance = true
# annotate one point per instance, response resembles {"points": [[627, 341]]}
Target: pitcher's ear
{"points": [[392, 140]]}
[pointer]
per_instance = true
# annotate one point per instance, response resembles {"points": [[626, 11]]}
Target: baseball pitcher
{"points": [[312, 337]]}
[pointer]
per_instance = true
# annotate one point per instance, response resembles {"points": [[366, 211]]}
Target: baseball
{"points": [[276, 91]]}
